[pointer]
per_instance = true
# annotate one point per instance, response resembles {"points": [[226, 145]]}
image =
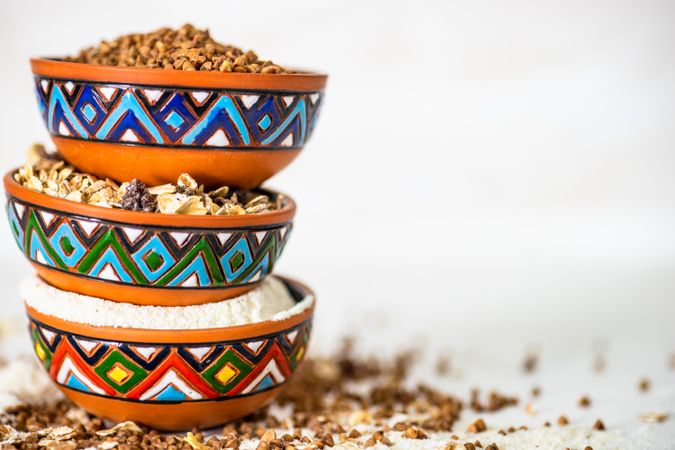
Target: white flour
{"points": [[270, 301]]}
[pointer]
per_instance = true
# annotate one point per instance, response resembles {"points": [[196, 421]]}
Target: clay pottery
{"points": [[222, 128], [172, 379], [145, 258]]}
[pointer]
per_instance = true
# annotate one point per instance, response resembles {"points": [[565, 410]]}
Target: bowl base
{"points": [[154, 296], [172, 416], [156, 165]]}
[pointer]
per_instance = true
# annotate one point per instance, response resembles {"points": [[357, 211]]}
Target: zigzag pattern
{"points": [[178, 117], [145, 256], [169, 372]]}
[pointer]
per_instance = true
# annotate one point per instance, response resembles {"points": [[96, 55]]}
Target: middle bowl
{"points": [[145, 258]]}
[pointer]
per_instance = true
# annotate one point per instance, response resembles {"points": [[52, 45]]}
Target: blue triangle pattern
{"points": [[197, 267], [129, 115], [171, 394], [109, 257], [299, 111], [266, 382], [223, 115], [59, 112], [176, 116], [37, 251], [75, 383]]}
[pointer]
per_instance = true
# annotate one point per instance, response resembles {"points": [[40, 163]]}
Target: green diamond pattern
{"points": [[154, 268], [234, 359], [236, 261], [115, 357], [66, 245], [154, 260]]}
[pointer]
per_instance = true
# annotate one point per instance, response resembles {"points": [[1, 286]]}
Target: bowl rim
{"points": [[176, 221], [57, 68], [197, 336]]}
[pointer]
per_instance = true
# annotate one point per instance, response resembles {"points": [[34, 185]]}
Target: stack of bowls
{"points": [[122, 123]]}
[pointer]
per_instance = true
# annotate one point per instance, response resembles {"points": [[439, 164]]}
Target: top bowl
{"points": [[235, 129]]}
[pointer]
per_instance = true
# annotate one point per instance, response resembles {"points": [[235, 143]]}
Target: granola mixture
{"points": [[50, 175], [185, 48]]}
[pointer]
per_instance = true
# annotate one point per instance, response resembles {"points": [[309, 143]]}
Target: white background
{"points": [[487, 177]]}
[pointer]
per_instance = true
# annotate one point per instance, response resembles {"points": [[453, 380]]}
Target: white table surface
{"points": [[566, 315], [486, 177]]}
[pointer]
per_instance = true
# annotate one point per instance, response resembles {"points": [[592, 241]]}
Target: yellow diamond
{"points": [[226, 374], [300, 353], [117, 373], [40, 352]]}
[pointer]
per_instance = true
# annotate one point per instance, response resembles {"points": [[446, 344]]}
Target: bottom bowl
{"points": [[173, 379]]}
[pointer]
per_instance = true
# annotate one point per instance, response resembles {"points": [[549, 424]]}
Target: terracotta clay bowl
{"points": [[145, 258], [172, 379], [222, 128]]}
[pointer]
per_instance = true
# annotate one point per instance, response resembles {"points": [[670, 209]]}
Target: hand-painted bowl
{"points": [[172, 379], [145, 258], [222, 128]]}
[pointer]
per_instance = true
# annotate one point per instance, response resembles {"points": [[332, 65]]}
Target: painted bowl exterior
{"points": [[224, 129], [172, 379], [145, 258]]}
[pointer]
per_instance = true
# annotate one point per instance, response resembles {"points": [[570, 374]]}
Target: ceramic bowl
{"points": [[222, 128], [145, 258], [172, 379]]}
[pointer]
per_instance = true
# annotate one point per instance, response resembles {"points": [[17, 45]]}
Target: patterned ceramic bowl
{"points": [[172, 379], [145, 258], [222, 128]]}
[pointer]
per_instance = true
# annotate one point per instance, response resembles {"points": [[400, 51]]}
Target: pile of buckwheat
{"points": [[50, 175], [187, 48], [324, 411]]}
